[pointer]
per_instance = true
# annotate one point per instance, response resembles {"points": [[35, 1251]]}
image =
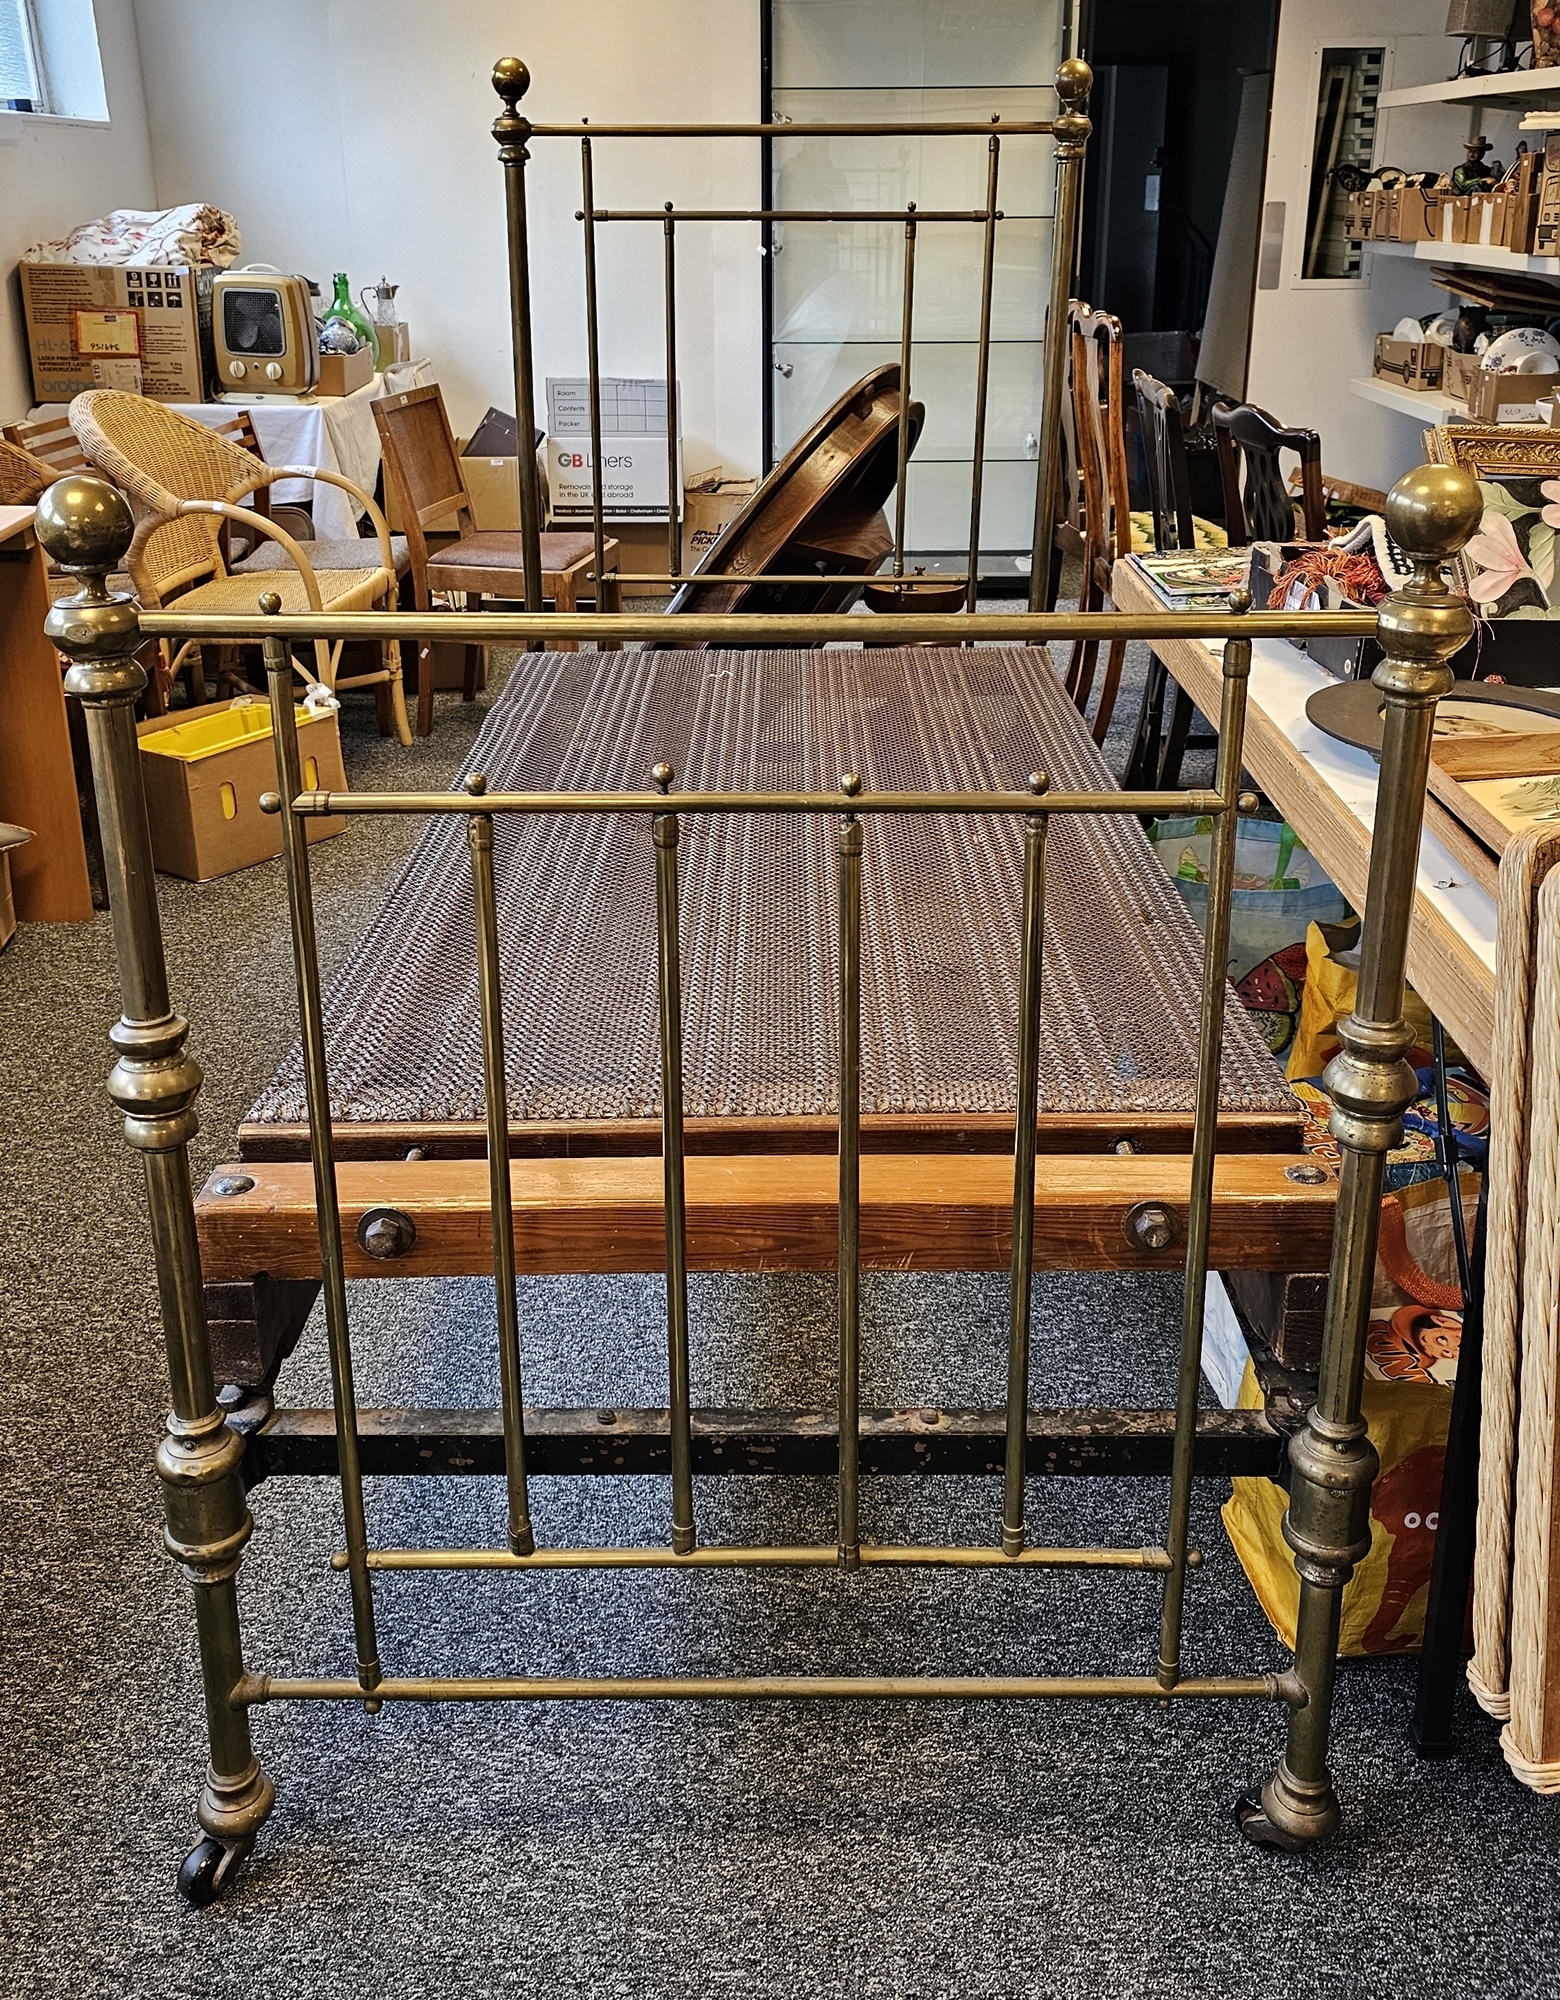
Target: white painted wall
{"points": [[1308, 336], [356, 134], [56, 172]]}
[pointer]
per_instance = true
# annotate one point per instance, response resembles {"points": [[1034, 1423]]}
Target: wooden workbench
{"points": [[1327, 792], [37, 777]]}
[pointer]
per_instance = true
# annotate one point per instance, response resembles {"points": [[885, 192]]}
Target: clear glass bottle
{"points": [[344, 310]]}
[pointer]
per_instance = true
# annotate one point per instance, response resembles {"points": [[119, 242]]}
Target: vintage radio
{"points": [[262, 335]]}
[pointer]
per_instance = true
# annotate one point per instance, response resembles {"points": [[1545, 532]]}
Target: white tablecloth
{"points": [[336, 433]]}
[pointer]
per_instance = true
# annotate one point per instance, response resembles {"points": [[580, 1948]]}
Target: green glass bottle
{"points": [[344, 308]]}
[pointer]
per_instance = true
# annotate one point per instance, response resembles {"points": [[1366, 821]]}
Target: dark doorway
{"points": [[1151, 238]]}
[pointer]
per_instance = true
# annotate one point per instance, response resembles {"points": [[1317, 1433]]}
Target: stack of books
{"points": [[1196, 580]]}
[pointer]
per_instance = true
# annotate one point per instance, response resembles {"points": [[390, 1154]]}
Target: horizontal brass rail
{"points": [[737, 629], [317, 805], [787, 215], [1286, 1688], [812, 1556], [1029, 128]]}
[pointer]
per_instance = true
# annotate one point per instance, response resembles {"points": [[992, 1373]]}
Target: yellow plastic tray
{"points": [[210, 735]]}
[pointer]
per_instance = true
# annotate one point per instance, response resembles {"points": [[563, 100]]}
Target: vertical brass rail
{"points": [[85, 525], [1430, 513], [322, 1144], [673, 492], [1071, 131], [665, 831], [1205, 1129], [479, 838], [593, 369], [982, 372], [511, 79], [1021, 1274], [849, 1280], [903, 461]]}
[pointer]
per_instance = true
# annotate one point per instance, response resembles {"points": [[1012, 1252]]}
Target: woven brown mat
{"points": [[940, 908]]}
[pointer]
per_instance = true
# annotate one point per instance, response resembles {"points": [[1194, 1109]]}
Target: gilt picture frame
{"points": [[1518, 457]]}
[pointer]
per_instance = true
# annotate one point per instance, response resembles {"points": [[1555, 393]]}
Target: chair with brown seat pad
{"points": [[186, 481], [422, 468]]}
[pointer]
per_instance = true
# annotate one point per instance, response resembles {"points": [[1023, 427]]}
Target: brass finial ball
{"points": [[1433, 510], [511, 79], [1074, 80], [84, 523]]}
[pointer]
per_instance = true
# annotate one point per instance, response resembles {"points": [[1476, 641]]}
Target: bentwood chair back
{"points": [[1105, 526], [1164, 454], [422, 468], [185, 481], [1259, 507]]}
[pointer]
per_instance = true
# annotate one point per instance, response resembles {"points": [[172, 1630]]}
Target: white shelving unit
{"points": [[1520, 90], [1472, 257], [1429, 405]]}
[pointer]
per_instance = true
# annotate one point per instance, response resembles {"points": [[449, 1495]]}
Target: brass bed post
{"points": [[665, 833], [1071, 130], [495, 1090], [511, 79], [85, 525], [849, 1277], [1021, 1278], [902, 442], [322, 1143], [673, 520], [593, 369], [1431, 513], [1205, 1137], [982, 372]]}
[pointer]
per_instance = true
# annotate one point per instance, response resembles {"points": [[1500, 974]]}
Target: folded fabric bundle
{"points": [[196, 234]]}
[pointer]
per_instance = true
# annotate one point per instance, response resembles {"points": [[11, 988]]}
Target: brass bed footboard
{"points": [[677, 1213]]}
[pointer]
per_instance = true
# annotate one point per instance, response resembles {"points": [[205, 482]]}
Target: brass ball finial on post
{"points": [[1431, 513], [511, 79]]}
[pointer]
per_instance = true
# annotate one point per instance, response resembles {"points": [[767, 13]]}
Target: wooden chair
{"points": [[1156, 766], [53, 443], [1104, 529], [423, 468], [1258, 507], [186, 481]]}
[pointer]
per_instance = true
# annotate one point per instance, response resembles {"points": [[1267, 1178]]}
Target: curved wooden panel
{"points": [[821, 506]]}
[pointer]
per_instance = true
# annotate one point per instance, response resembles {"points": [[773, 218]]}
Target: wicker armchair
{"points": [[22, 477], [185, 481]]}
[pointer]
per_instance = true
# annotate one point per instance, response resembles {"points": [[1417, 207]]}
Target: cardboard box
{"points": [[1546, 227], [68, 304], [1414, 363], [204, 781], [1508, 399], [340, 374], [710, 506], [1357, 213], [1522, 202], [1412, 215], [1458, 372]]}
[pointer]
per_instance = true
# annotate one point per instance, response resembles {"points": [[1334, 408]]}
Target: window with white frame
{"points": [[23, 78], [50, 65]]}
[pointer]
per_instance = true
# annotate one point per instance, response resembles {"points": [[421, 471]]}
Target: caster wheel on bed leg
{"points": [[207, 1869], [1251, 1816]]}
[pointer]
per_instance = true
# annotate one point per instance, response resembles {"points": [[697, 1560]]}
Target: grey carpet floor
{"points": [[908, 1852]]}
